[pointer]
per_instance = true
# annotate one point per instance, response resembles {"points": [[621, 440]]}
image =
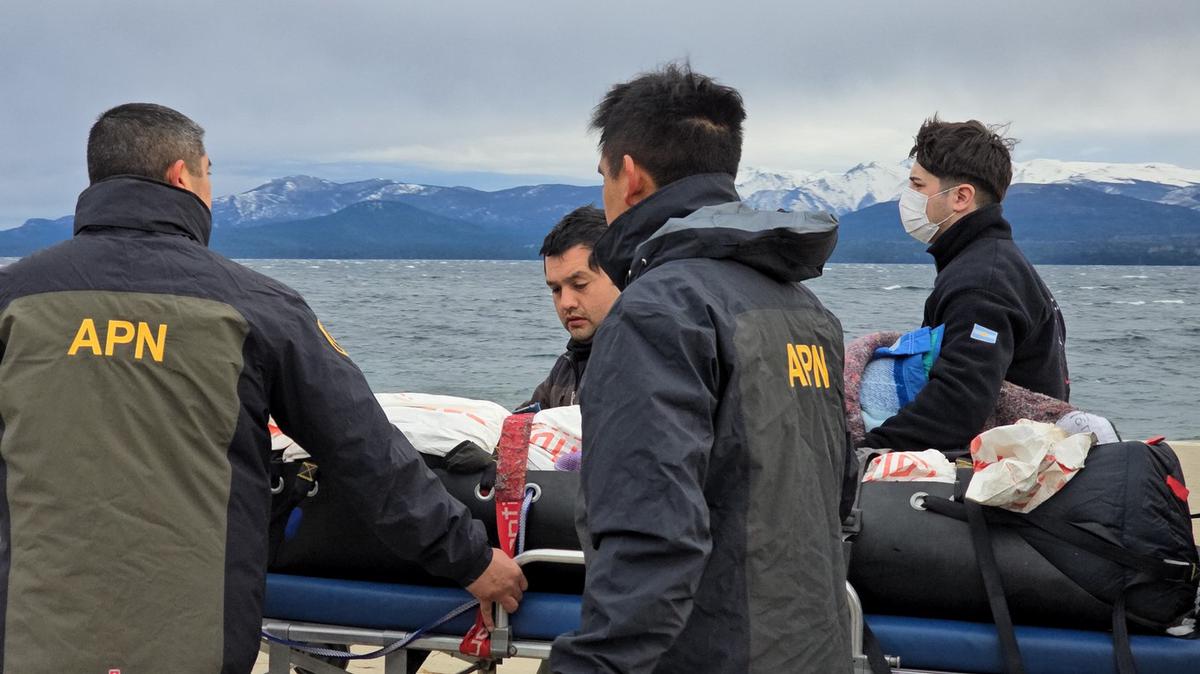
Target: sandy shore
{"points": [[440, 663], [1189, 456]]}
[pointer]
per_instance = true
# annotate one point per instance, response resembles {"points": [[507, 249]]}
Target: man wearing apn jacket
{"points": [[137, 371], [714, 437], [1001, 322]]}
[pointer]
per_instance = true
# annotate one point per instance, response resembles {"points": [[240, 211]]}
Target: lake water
{"points": [[487, 329]]}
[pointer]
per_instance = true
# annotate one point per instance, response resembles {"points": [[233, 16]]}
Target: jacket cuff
{"points": [[471, 569]]}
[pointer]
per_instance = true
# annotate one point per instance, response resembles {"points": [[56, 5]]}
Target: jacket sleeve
{"points": [[964, 381], [322, 400], [648, 411]]}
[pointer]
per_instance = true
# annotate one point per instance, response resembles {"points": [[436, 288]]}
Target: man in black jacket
{"points": [[1001, 321], [714, 438], [582, 294], [137, 372]]}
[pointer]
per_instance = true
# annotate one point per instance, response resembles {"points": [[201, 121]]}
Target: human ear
{"points": [[964, 197], [631, 175], [177, 175]]}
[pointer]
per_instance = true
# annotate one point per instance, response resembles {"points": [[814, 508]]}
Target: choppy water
{"points": [[486, 329]]}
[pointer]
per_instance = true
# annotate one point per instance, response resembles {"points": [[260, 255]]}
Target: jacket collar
{"points": [[986, 223], [579, 351], [615, 250], [134, 202]]}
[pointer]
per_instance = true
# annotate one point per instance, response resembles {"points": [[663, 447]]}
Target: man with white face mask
{"points": [[1002, 323]]}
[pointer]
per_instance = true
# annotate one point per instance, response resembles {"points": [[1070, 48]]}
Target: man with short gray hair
{"points": [[137, 372]]}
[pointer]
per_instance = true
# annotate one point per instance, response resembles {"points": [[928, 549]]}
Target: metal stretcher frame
{"points": [[936, 646]]}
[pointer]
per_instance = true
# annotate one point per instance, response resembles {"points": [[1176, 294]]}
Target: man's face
{"points": [[202, 184], [613, 193], [939, 207], [582, 295]]}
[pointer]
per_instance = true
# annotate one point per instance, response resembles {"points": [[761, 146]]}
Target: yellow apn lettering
{"points": [[85, 338], [146, 340], [819, 370], [119, 332], [804, 351], [795, 369]]}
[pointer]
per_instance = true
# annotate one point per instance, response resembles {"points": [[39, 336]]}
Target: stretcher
{"points": [[348, 612]]}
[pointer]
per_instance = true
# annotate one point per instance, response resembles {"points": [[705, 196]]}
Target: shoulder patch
{"points": [[983, 334], [332, 342]]}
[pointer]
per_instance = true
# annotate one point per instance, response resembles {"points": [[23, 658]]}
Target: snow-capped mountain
{"points": [[878, 182], [1155, 207], [300, 197], [837, 193], [752, 179], [1047, 171]]}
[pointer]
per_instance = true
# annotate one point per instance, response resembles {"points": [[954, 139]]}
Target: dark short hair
{"points": [[967, 152], [674, 122], [581, 227], [143, 139]]}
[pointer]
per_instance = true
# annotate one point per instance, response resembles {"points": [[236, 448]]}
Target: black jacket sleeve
{"points": [[964, 381], [648, 428], [322, 400]]}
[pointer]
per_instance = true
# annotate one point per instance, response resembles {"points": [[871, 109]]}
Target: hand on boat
{"points": [[502, 581]]}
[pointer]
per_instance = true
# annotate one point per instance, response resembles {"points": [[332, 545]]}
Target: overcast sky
{"points": [[494, 94]]}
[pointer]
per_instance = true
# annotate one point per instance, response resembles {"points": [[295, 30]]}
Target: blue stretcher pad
{"points": [[543, 616], [951, 645], [921, 643]]}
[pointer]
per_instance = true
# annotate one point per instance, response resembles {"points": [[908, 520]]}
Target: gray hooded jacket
{"points": [[714, 445]]}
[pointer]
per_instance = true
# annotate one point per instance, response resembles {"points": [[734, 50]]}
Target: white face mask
{"points": [[912, 215]]}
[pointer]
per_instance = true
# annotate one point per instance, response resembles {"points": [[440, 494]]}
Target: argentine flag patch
{"points": [[984, 334]]}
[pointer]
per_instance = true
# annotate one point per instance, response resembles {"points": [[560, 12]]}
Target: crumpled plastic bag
{"points": [[927, 466], [1019, 466]]}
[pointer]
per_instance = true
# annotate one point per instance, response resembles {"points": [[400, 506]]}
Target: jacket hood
{"points": [[134, 202], [616, 248], [786, 246], [701, 217]]}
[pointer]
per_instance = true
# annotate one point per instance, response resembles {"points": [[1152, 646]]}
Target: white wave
{"points": [[892, 287], [1136, 303], [1168, 301], [1135, 276]]}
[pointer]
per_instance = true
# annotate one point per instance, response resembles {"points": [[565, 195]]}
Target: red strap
{"points": [[478, 641], [512, 458], [1156, 440], [1177, 488]]}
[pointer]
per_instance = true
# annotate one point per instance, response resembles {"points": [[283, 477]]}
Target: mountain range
{"points": [[1062, 212]]}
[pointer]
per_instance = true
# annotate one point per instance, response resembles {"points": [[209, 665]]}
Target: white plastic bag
{"points": [[556, 431], [436, 424], [1018, 467], [927, 466]]}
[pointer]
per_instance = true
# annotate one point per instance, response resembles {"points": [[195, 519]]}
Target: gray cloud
{"points": [[461, 89]]}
